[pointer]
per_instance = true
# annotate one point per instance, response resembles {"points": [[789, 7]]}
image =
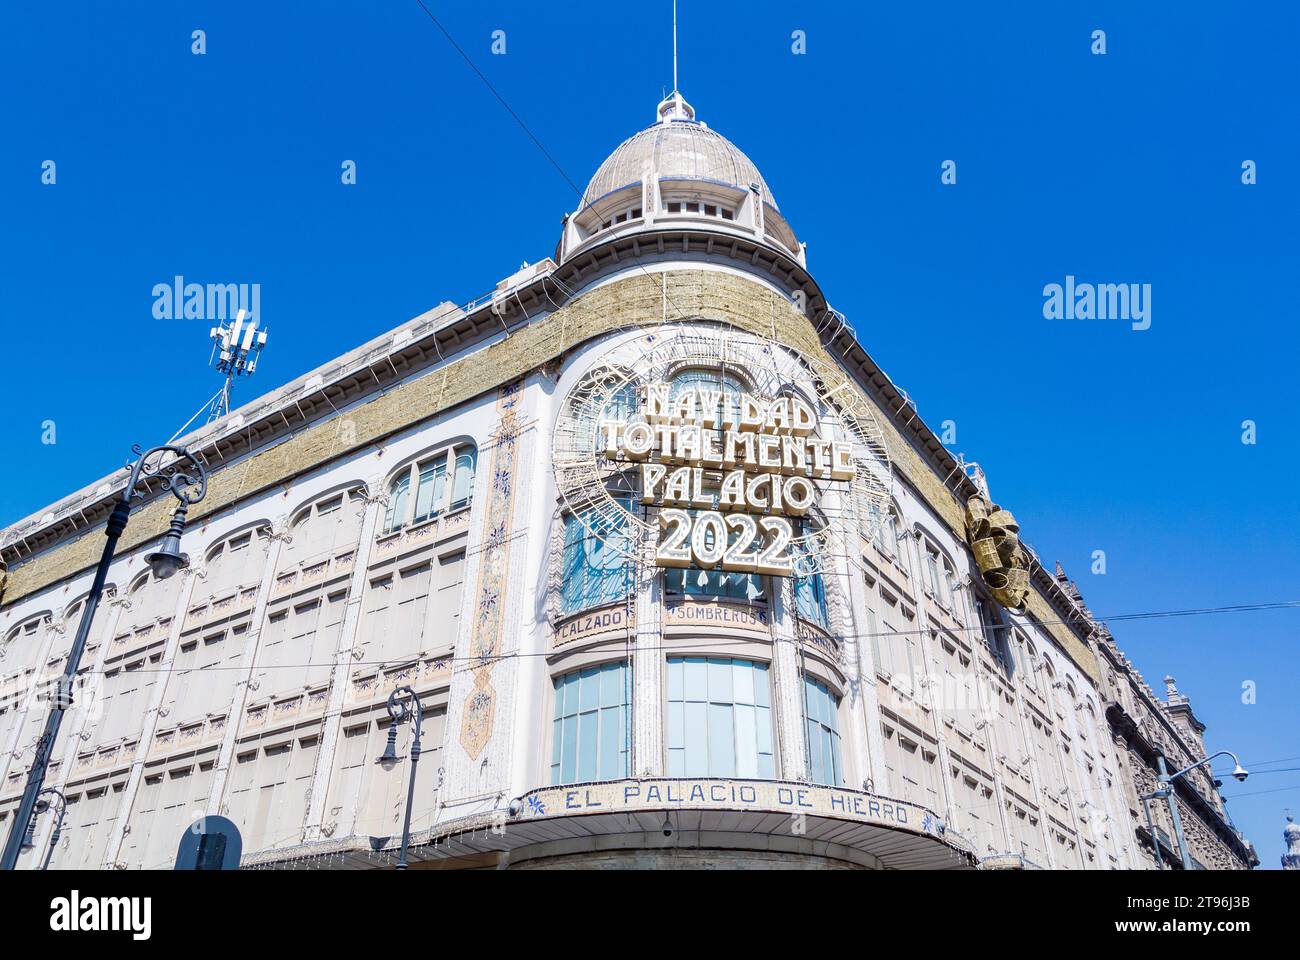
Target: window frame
{"points": [[563, 754], [570, 605], [827, 732], [766, 763]]}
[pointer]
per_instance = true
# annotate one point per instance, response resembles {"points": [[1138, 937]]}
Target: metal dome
{"points": [[678, 147]]}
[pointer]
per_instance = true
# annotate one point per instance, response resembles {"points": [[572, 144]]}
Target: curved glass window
{"points": [[821, 713], [719, 719], [622, 404], [590, 733], [810, 599], [596, 571]]}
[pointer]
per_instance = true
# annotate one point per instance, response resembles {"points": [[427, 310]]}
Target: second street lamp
{"points": [[187, 480], [399, 710], [1167, 779], [29, 841]]}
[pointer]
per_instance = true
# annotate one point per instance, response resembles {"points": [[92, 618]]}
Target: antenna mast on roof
{"points": [[235, 348], [674, 46]]}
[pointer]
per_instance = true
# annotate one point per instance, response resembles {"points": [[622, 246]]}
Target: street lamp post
{"points": [[29, 840], [399, 710], [187, 480], [1238, 771]]}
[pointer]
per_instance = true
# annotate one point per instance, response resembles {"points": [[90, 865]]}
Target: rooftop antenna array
{"points": [[236, 348]]}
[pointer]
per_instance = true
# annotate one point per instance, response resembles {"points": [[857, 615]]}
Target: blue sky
{"points": [[1117, 168]]}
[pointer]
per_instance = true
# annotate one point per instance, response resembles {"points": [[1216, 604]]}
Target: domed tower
{"points": [[1291, 834], [674, 174]]}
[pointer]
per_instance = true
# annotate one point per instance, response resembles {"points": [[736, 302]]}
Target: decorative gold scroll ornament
{"points": [[1002, 559]]}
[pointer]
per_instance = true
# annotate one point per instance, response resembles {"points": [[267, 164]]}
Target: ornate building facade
{"points": [[872, 672]]}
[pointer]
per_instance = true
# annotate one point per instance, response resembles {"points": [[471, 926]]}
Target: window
{"points": [[363, 798], [589, 733], [878, 648], [446, 596], [397, 498], [232, 565], [698, 582], [821, 710], [884, 531], [89, 822], [324, 528], [202, 680], [719, 718], [1028, 662], [898, 642], [300, 643], [433, 493], [463, 487], [693, 206], [627, 215], [939, 575], [269, 783], [124, 698], [429, 493], [810, 599], [595, 571], [166, 804]]}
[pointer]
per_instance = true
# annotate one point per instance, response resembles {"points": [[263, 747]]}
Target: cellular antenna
{"points": [[236, 348]]}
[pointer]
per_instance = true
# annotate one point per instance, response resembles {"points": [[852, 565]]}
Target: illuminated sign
{"points": [[727, 470]]}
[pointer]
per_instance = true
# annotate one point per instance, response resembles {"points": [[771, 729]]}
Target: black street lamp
{"points": [[399, 710], [29, 840], [186, 478]]}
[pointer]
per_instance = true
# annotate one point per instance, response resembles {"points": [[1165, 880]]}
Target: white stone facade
{"points": [[254, 684]]}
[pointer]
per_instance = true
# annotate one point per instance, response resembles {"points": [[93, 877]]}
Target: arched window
{"points": [[18, 661], [331, 524], [595, 567], [885, 532], [1028, 662], [939, 576], [430, 486], [151, 599], [236, 561]]}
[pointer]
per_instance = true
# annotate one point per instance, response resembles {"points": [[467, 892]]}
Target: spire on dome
{"points": [[674, 106]]}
